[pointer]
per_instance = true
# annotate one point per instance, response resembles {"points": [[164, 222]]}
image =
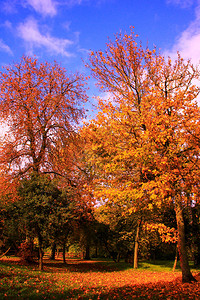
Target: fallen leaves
{"points": [[92, 280]]}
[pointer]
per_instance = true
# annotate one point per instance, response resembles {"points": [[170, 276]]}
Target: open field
{"points": [[80, 279]]}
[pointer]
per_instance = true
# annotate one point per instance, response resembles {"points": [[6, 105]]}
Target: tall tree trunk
{"points": [[186, 273], [40, 253], [64, 250], [135, 262], [53, 251]]}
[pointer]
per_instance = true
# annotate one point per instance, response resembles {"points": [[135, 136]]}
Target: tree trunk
{"points": [[96, 251], [135, 262], [5, 252], [30, 244], [111, 253], [64, 250], [87, 252], [40, 253], [186, 273], [53, 251], [197, 256], [176, 259], [118, 257]]}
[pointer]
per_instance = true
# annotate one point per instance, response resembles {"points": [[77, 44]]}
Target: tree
{"points": [[42, 105], [145, 138], [44, 209], [108, 229], [11, 231]]}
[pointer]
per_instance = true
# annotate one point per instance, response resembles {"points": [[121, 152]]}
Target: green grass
{"points": [[101, 279], [163, 266], [159, 266]]}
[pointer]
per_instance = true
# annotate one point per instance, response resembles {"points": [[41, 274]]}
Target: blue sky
{"points": [[66, 30]]}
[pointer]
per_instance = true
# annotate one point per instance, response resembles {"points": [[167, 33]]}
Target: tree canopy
{"points": [[42, 105], [144, 140]]}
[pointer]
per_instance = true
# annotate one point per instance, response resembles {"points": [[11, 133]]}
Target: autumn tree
{"points": [[144, 140], [42, 105]]}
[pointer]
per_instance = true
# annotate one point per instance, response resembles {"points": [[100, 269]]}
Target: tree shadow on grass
{"points": [[84, 266], [71, 265]]}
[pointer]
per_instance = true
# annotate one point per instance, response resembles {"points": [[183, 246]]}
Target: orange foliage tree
{"points": [[144, 141], [42, 105]]}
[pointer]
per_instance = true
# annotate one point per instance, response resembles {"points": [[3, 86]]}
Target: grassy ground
{"points": [[94, 280]]}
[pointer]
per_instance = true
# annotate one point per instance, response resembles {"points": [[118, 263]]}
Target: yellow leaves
{"points": [[150, 206], [167, 234], [142, 143], [132, 210]]}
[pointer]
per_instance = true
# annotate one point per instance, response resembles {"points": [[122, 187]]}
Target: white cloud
{"points": [[79, 2], [107, 97], [44, 7], [9, 6], [30, 33], [182, 3], [7, 24], [188, 43], [73, 2], [66, 25], [5, 48]]}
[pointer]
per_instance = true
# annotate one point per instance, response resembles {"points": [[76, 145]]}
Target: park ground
{"points": [[94, 279]]}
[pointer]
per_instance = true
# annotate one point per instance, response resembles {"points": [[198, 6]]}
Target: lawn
{"points": [[94, 280]]}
